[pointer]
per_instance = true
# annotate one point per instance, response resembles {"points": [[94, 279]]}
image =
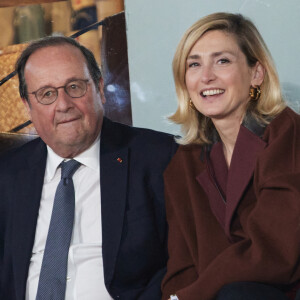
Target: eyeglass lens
{"points": [[74, 89]]}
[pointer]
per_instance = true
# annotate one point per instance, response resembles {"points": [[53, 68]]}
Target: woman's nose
{"points": [[207, 74]]}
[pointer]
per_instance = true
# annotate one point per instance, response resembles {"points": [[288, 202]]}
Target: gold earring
{"points": [[191, 104], [254, 92]]}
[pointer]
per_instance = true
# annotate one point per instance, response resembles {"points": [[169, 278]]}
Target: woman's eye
{"points": [[193, 64], [223, 61]]}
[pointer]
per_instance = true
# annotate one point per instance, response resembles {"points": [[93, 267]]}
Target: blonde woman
{"points": [[233, 187]]}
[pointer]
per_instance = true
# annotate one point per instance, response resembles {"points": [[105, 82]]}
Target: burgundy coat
{"points": [[258, 236]]}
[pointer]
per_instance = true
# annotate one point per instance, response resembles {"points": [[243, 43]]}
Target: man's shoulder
{"points": [[146, 146], [188, 159], [116, 125], [153, 136], [136, 134], [18, 156]]}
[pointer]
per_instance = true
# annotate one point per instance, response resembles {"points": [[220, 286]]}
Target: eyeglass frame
{"points": [[60, 87]]}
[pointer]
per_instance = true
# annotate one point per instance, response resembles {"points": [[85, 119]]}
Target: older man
{"points": [[82, 209]]}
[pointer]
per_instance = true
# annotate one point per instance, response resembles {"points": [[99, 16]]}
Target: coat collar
{"points": [[250, 122], [248, 146], [243, 163]]}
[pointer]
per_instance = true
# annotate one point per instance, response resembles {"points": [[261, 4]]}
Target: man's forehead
{"points": [[55, 65], [63, 53]]}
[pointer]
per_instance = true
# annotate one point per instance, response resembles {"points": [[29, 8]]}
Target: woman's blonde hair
{"points": [[195, 126]]}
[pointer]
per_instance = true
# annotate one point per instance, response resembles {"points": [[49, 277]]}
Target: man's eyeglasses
{"points": [[48, 94]]}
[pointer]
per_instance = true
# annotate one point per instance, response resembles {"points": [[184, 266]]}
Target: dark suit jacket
{"points": [[133, 215], [259, 237]]}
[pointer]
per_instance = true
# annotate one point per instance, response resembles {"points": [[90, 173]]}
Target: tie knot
{"points": [[68, 168]]}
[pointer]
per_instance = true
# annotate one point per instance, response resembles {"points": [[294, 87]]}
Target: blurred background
{"points": [[155, 27]]}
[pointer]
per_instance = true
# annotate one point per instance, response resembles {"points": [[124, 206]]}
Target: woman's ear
{"points": [[258, 74]]}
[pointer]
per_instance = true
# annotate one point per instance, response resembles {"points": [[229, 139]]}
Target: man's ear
{"points": [[27, 106], [258, 74], [101, 90]]}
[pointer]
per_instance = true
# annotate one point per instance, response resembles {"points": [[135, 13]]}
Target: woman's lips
{"points": [[211, 92]]}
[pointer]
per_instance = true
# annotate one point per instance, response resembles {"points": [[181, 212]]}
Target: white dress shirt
{"points": [[85, 279]]}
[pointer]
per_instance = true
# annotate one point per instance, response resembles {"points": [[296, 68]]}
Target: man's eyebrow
{"points": [[73, 78], [66, 82]]}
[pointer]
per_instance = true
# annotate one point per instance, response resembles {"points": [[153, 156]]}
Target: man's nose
{"points": [[63, 101]]}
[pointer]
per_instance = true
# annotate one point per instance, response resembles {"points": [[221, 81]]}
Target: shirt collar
{"points": [[89, 158]]}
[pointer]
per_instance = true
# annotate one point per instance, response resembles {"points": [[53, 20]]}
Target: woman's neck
{"points": [[228, 131]]}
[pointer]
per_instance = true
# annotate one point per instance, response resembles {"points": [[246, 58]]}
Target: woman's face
{"points": [[218, 77]]}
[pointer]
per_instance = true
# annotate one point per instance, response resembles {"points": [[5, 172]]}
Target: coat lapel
{"points": [[214, 196], [247, 148], [28, 186], [113, 177], [208, 181]]}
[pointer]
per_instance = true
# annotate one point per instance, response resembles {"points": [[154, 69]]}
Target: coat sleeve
{"points": [[178, 251], [269, 253], [153, 288]]}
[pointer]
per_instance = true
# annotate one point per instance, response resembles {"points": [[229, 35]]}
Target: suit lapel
{"points": [[247, 148], [113, 177], [27, 194]]}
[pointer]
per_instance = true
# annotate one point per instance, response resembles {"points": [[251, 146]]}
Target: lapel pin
{"points": [[120, 160]]}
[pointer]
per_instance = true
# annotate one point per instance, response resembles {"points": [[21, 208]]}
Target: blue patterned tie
{"points": [[53, 276]]}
